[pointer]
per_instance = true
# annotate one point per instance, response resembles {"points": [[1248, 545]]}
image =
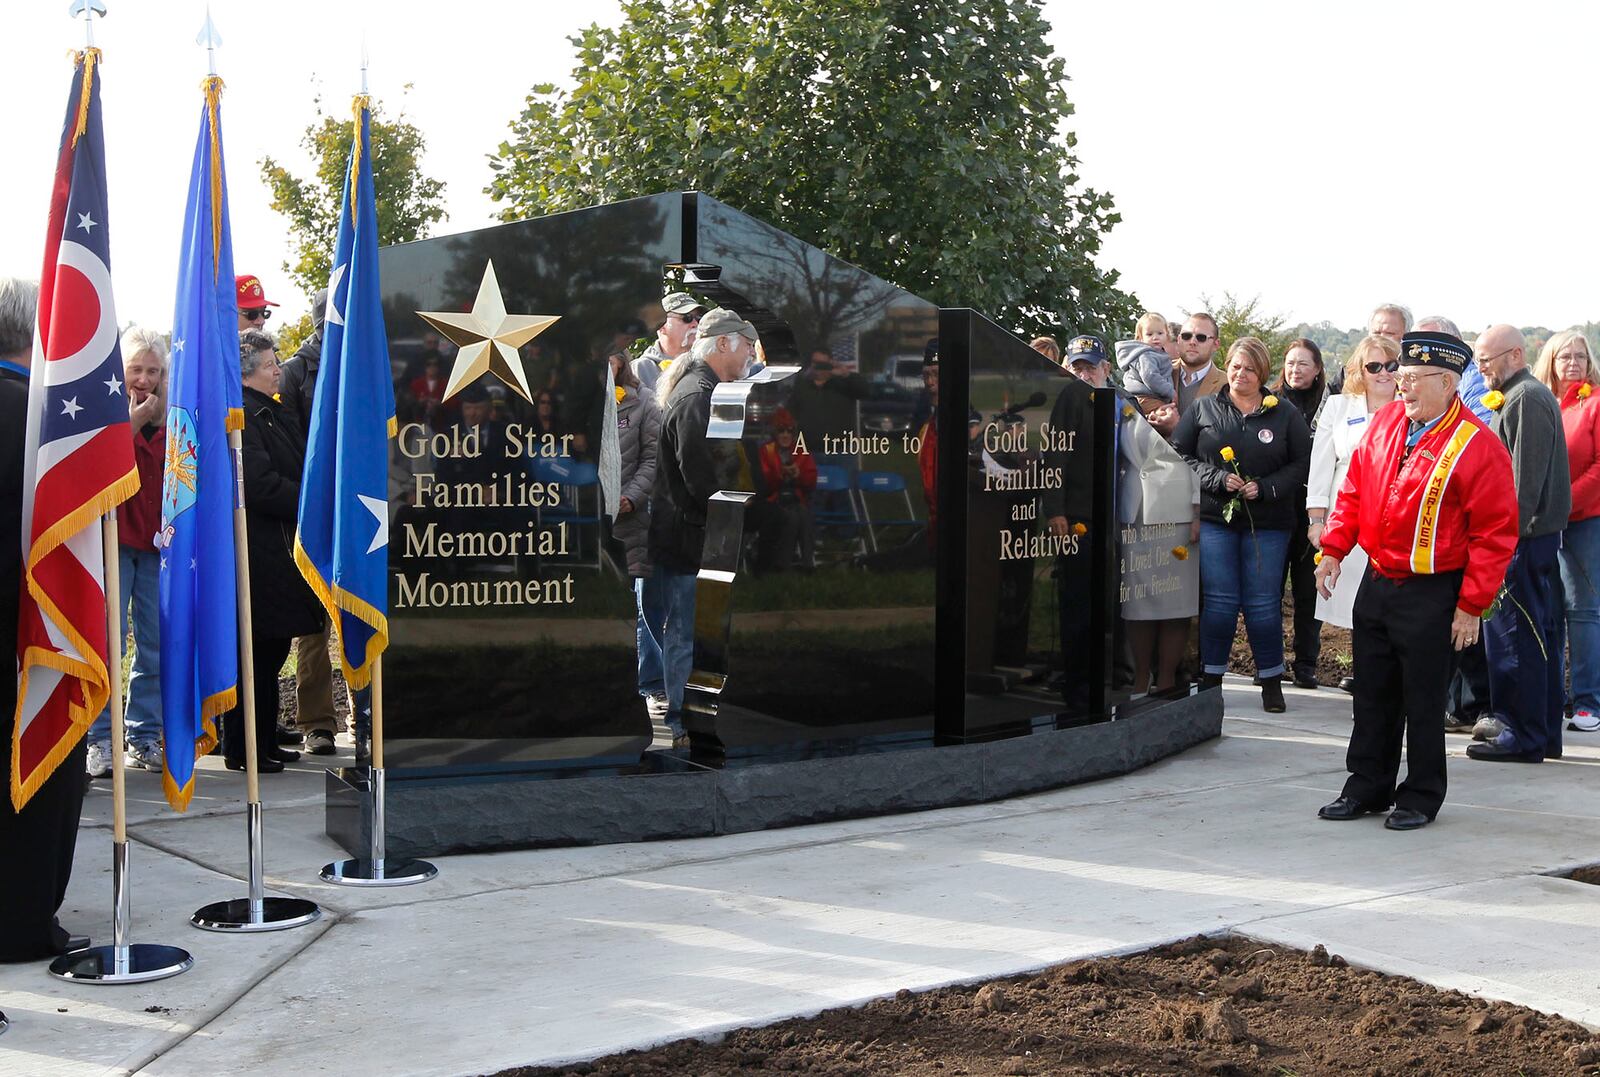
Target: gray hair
{"points": [[1438, 323], [136, 339], [253, 343], [1393, 308], [19, 309]]}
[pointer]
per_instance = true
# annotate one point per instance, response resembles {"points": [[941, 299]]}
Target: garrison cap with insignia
{"points": [[1439, 350]]}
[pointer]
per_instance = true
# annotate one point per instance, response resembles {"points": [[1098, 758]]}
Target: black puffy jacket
{"points": [[690, 467], [1272, 446], [282, 604]]}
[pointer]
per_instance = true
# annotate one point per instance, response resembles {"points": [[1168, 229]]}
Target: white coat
{"points": [[1343, 423]]}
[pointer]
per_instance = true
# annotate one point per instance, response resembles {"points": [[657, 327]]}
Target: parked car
{"points": [[904, 370], [890, 407]]}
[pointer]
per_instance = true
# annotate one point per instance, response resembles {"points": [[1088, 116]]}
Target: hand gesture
{"points": [[1327, 575]]}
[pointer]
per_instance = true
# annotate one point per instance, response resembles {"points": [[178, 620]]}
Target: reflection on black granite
{"points": [[1029, 502], [512, 625]]}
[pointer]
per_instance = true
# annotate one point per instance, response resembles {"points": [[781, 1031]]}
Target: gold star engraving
{"points": [[488, 338]]}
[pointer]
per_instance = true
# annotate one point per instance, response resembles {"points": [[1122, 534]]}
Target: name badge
{"points": [[1357, 421]]}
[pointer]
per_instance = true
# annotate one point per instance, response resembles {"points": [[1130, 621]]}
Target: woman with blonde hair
{"points": [[144, 383], [1567, 366], [1369, 384], [1250, 453]]}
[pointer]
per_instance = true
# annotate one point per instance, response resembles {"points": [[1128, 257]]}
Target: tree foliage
{"points": [[409, 202], [1244, 318], [923, 140]]}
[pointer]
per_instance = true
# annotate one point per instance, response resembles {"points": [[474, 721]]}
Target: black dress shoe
{"points": [[1406, 819], [75, 942], [1345, 809], [1306, 680], [264, 764], [1347, 684], [1490, 752], [282, 755], [288, 734]]}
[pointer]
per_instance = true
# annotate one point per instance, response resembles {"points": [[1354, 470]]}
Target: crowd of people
{"points": [[1440, 499]]}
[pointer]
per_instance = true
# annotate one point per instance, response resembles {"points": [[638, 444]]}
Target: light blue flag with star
{"points": [[342, 546], [199, 603]]}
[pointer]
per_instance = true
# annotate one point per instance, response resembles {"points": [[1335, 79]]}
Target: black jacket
{"points": [[1272, 446], [13, 427], [299, 385], [282, 604], [690, 467]]}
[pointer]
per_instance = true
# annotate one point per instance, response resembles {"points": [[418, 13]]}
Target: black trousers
{"points": [[269, 654], [36, 848], [1302, 569], [1403, 659]]}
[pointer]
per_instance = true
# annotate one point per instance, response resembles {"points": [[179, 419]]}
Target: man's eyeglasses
{"points": [[259, 314], [1411, 377], [688, 319], [1201, 337], [1496, 355], [1391, 366]]}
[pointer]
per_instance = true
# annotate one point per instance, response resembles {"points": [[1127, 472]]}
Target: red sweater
{"points": [[1451, 505], [772, 472], [1581, 421], [139, 517]]}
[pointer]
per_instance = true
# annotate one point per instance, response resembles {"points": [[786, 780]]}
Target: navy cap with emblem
{"points": [[1439, 350], [1086, 348]]}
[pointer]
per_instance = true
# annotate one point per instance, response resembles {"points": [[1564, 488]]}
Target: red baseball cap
{"points": [[249, 292]]}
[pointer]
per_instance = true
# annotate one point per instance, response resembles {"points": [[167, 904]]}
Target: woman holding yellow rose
{"points": [[1568, 367], [1250, 455]]}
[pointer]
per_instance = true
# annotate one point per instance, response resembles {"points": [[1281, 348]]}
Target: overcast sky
{"points": [[1326, 158]]}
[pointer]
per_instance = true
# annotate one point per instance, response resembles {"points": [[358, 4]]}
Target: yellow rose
{"points": [[621, 392], [1181, 553], [1584, 390], [1127, 411], [665, 363], [1269, 401], [1227, 454], [1080, 529], [1493, 399], [1317, 558]]}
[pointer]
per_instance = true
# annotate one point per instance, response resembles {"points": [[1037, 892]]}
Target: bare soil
{"points": [[1202, 1006], [1590, 875], [1333, 662]]}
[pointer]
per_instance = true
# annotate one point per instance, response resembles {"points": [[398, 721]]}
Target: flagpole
{"points": [[255, 912], [121, 962], [375, 869]]}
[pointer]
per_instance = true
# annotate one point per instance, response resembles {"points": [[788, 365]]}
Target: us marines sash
{"points": [[1425, 538]]}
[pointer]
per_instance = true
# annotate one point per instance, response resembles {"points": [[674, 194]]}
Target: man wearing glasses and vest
{"points": [[1429, 496]]}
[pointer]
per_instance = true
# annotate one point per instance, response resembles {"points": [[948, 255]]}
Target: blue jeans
{"points": [[650, 604], [141, 586], [1580, 580], [1522, 644], [677, 643], [1241, 571]]}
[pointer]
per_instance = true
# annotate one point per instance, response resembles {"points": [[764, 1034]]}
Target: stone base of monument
{"points": [[669, 796]]}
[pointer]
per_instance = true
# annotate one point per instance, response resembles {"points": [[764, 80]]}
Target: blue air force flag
{"points": [[199, 606], [342, 546]]}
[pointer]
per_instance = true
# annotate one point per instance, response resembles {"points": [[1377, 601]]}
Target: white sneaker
{"points": [[1488, 728], [1584, 722], [656, 707], [147, 756], [97, 764]]}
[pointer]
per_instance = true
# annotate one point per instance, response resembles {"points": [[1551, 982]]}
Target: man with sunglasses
{"points": [[674, 338], [1523, 640], [1429, 496], [1194, 375], [254, 306]]}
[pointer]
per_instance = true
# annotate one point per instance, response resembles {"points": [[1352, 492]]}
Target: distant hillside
{"points": [[1336, 343]]}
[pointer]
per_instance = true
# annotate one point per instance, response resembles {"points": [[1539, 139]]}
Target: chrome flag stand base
{"points": [[120, 963], [375, 870], [255, 913]]}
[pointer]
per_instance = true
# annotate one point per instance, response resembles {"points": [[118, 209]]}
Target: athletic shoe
{"points": [[656, 707], [1584, 722], [1488, 728], [1453, 724], [319, 742], [146, 755], [97, 764]]}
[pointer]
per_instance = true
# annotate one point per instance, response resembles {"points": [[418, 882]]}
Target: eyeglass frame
{"points": [[252, 313], [1411, 377], [1187, 334]]}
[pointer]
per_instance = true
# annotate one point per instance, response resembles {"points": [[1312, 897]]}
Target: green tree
{"points": [[923, 140], [409, 202]]}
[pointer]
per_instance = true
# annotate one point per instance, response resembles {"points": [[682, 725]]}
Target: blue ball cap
{"points": [[1086, 348]]}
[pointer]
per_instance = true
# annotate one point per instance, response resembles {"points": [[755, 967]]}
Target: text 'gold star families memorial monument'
{"points": [[488, 338]]}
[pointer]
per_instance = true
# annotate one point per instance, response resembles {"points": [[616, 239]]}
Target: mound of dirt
{"points": [[1208, 1006]]}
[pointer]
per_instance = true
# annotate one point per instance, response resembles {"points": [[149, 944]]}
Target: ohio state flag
{"points": [[79, 457]]}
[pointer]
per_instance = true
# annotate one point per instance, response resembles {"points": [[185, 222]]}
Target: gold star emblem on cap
{"points": [[488, 338]]}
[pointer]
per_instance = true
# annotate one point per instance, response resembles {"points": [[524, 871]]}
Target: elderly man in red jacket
{"points": [[1430, 497]]}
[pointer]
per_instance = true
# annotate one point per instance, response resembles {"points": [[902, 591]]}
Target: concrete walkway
{"points": [[520, 958]]}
